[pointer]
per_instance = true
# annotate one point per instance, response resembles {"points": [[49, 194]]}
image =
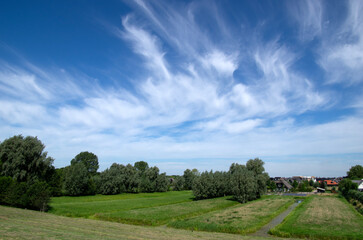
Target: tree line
{"points": [[28, 178]]}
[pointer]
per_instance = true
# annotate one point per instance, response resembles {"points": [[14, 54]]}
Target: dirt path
{"points": [[263, 232]]}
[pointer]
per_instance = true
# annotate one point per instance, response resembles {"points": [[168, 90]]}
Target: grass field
{"points": [[163, 214], [25, 224], [322, 218], [88, 206], [243, 219]]}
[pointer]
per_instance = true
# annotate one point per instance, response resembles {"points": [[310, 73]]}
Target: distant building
{"points": [[360, 184], [282, 185], [299, 179]]}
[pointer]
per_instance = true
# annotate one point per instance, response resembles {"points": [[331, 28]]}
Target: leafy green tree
{"points": [[243, 183], [132, 180], [203, 186], [38, 196], [148, 180], [355, 172], [141, 166], [161, 183], [113, 180], [179, 183], [77, 180], [261, 177], [345, 185], [189, 176], [295, 184], [90, 161], [24, 159]]}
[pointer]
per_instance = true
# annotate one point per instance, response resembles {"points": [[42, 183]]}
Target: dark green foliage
{"points": [[204, 187], [89, 160], [189, 176], [295, 184], [148, 179], [355, 172], [141, 166], [38, 196], [23, 159], [27, 176], [345, 185], [271, 185], [25, 195], [113, 180], [77, 180], [243, 183], [161, 183], [304, 186], [5, 183], [178, 183], [355, 195]]}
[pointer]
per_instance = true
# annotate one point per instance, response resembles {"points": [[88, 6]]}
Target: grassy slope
{"points": [[163, 214], [322, 218], [25, 224], [88, 206], [245, 218]]}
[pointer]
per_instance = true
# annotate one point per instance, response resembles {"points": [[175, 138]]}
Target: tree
{"points": [[243, 183], [179, 183], [77, 180], [345, 185], [355, 172], [189, 176], [24, 159], [141, 166], [161, 183], [113, 180], [256, 166], [89, 160]]}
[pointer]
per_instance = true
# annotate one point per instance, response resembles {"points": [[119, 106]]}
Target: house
{"points": [[360, 184], [331, 183], [283, 185], [299, 179]]}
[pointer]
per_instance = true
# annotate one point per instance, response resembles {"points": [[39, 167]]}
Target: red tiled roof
{"points": [[330, 183]]}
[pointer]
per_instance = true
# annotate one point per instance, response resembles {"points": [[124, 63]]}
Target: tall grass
{"points": [[322, 218], [163, 214], [242, 219]]}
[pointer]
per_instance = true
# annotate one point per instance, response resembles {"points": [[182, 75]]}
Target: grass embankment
{"points": [[322, 218], [25, 224], [163, 214], [242, 219], [88, 206]]}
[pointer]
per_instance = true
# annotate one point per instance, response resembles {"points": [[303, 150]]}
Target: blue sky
{"points": [[187, 84]]}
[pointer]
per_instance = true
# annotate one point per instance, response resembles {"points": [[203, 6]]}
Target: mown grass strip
{"points": [[26, 224], [88, 206], [241, 219], [163, 214], [322, 218]]}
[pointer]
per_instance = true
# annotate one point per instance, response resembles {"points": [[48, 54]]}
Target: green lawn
{"points": [[321, 217], [243, 218], [89, 206], [26, 224], [163, 214]]}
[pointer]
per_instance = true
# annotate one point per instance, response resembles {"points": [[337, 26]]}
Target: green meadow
{"points": [[242, 218], [176, 215], [320, 217]]}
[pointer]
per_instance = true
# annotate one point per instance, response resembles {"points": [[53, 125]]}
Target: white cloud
{"points": [[309, 16], [342, 50]]}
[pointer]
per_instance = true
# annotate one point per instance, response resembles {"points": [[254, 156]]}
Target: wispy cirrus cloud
{"points": [[193, 97]]}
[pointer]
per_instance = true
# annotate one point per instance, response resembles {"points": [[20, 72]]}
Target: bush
{"points": [[354, 194], [24, 195]]}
